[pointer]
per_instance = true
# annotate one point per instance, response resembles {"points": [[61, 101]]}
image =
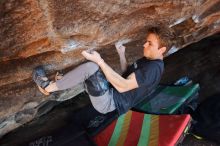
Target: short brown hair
{"points": [[165, 34]]}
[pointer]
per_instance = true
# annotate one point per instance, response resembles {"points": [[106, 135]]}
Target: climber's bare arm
{"points": [[121, 84], [121, 52]]}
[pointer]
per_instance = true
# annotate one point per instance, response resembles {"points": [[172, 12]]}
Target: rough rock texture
{"points": [[54, 32]]}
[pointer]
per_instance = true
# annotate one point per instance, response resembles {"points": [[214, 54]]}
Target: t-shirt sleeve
{"points": [[148, 75]]}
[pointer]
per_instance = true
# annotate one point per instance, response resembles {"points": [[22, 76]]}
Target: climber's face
{"points": [[152, 49]]}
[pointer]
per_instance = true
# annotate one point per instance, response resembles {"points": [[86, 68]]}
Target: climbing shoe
{"points": [[40, 78]]}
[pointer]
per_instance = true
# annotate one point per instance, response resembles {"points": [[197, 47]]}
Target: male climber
{"points": [[109, 91]]}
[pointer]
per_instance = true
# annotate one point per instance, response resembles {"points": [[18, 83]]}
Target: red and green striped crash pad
{"points": [[167, 99], [139, 129]]}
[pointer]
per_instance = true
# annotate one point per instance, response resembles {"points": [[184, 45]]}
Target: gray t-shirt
{"points": [[148, 74]]}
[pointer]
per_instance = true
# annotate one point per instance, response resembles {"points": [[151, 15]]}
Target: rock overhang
{"points": [[53, 33]]}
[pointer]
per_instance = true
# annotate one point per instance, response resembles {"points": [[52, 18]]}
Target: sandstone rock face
{"points": [[54, 32]]}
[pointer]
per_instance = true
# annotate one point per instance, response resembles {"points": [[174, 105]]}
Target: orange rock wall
{"points": [[54, 32]]}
